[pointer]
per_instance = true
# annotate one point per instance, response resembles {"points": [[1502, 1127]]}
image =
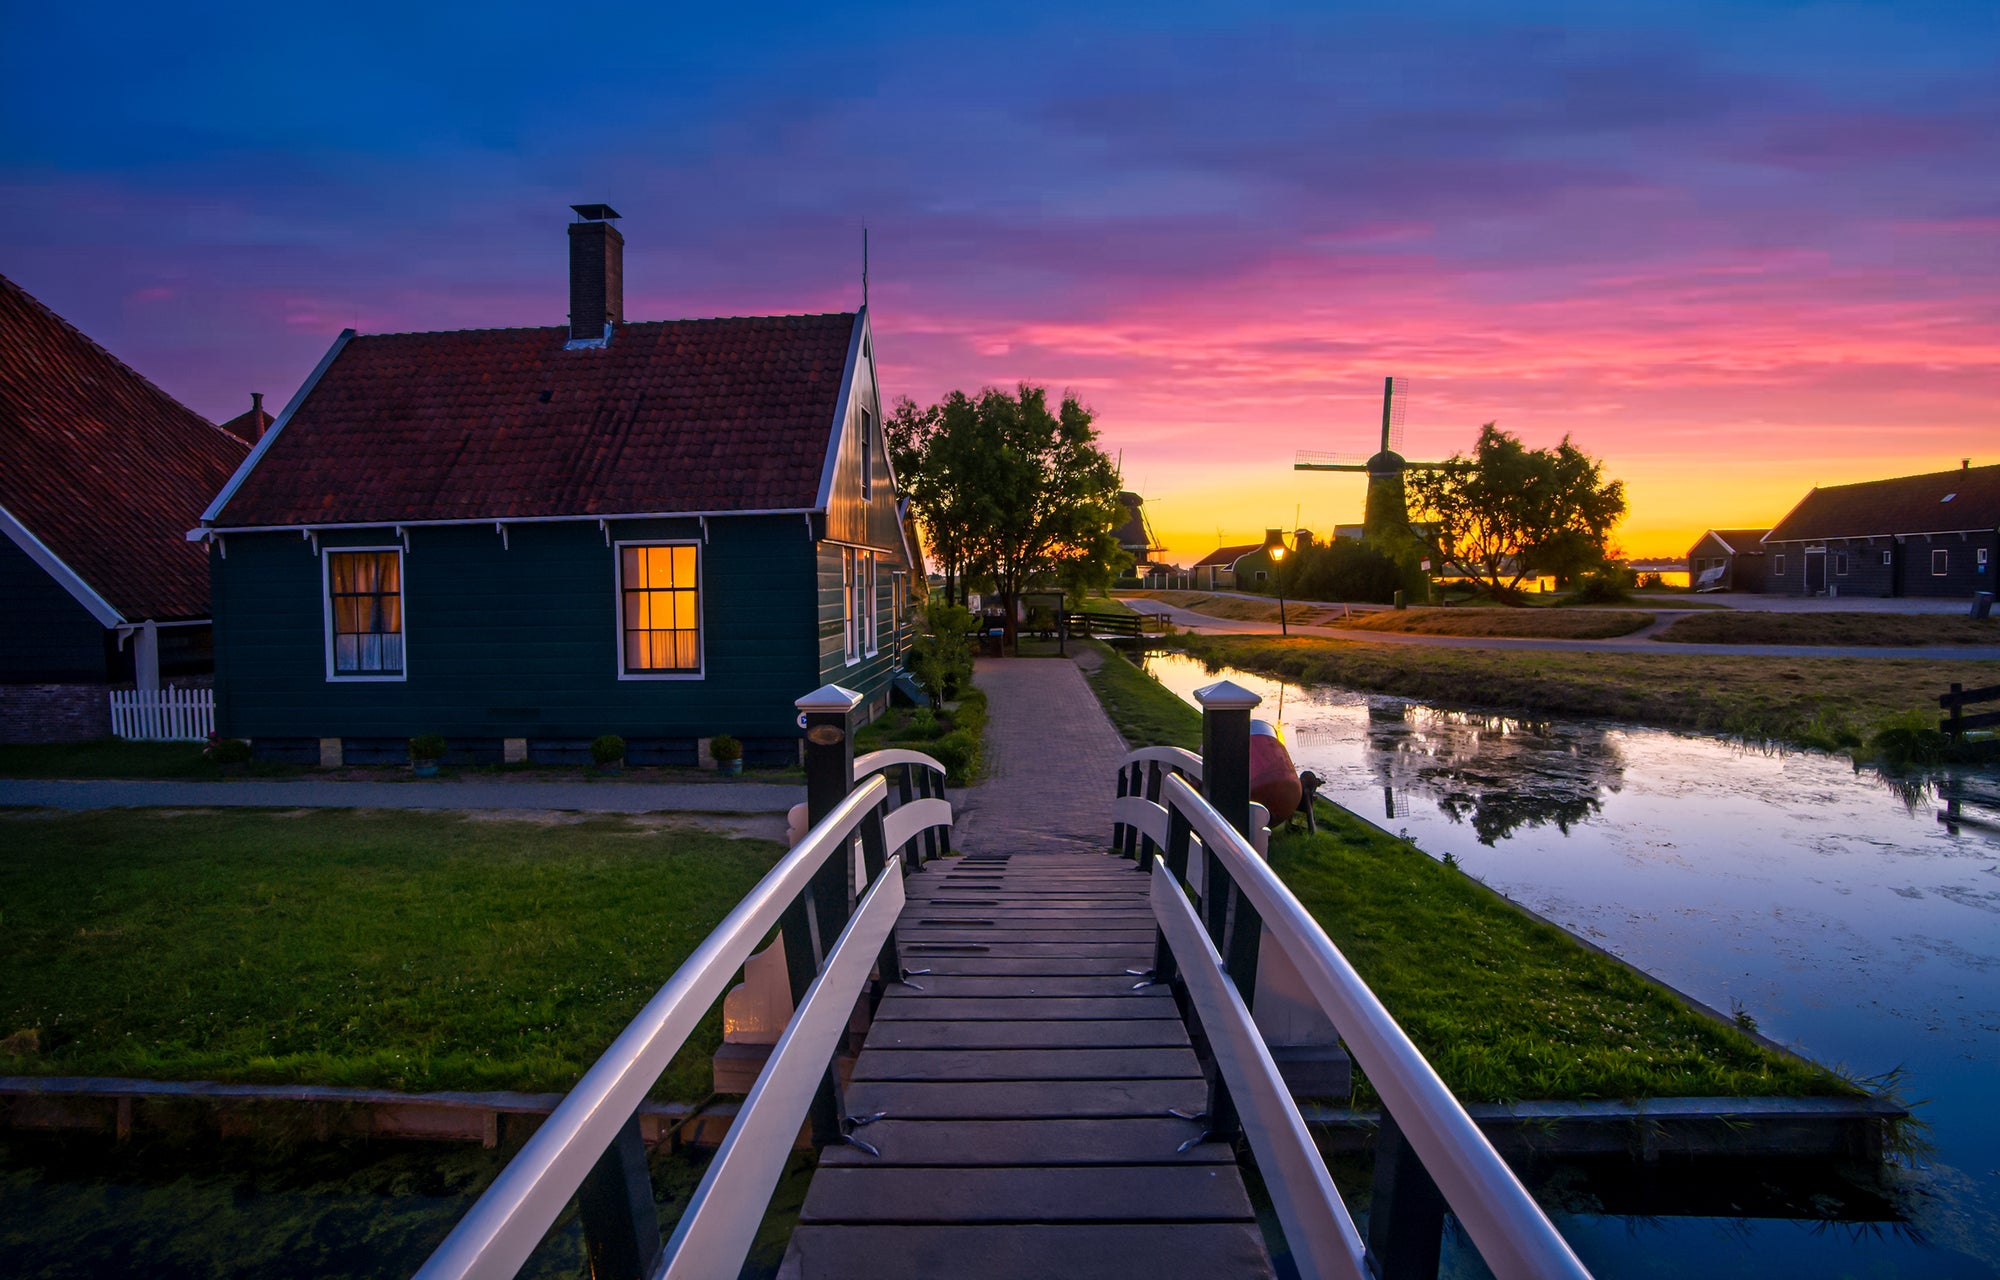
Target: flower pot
{"points": [[729, 768], [424, 768]]}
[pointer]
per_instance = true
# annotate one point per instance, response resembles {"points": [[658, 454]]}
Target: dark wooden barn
{"points": [[1930, 535], [1728, 560]]}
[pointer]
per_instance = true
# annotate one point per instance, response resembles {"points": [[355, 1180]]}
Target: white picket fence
{"points": [[163, 715]]}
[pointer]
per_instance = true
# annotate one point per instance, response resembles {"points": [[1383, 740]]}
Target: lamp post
{"points": [[1277, 553]]}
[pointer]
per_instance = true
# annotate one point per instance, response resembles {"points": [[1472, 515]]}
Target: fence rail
{"points": [[1240, 899], [1956, 722], [163, 715]]}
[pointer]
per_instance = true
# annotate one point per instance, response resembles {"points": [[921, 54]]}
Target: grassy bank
{"points": [[1541, 624], [403, 950], [1240, 609], [1829, 704], [1505, 1006], [1890, 630]]}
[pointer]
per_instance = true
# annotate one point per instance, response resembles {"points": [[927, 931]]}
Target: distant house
{"points": [[1728, 560], [1247, 567], [524, 538], [1216, 571], [1930, 535], [101, 473]]}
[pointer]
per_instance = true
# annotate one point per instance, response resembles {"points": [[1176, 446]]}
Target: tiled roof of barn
{"points": [[106, 469], [685, 415], [1907, 504]]}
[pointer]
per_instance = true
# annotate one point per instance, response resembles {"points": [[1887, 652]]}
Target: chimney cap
{"points": [[595, 212]]}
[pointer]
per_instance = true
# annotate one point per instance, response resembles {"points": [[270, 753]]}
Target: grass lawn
{"points": [[411, 951], [1830, 704], [1911, 630], [1558, 624], [1240, 609], [1505, 1006]]}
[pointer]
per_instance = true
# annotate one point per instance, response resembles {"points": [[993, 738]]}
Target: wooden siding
{"points": [[1908, 574], [520, 641], [870, 676], [48, 636]]}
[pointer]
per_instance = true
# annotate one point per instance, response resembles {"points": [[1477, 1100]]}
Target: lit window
{"points": [[1940, 562], [659, 594], [365, 614]]}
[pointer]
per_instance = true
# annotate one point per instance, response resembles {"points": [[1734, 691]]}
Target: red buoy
{"points": [[1274, 782]]}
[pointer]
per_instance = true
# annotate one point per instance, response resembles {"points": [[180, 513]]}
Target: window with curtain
{"points": [[659, 592], [365, 612]]}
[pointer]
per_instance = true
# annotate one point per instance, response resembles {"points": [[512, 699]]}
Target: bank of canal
{"points": [[1829, 904]]}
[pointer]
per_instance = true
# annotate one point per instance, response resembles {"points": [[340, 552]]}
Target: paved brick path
{"points": [[1051, 762]]}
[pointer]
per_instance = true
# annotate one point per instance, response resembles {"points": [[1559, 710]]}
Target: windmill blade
{"points": [[1396, 411], [1320, 460]]}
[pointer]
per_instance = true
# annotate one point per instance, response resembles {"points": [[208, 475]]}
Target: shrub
{"points": [[427, 747], [1343, 570], [958, 752], [923, 723], [1606, 587], [723, 748], [228, 751], [941, 658], [608, 749]]}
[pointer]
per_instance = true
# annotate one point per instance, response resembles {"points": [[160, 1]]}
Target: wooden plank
{"points": [[931, 933], [1031, 1142], [1023, 984], [1125, 1033], [881, 1063], [1985, 693], [989, 964], [1130, 953], [1024, 1099], [901, 1004], [1157, 1251], [1031, 1194]]}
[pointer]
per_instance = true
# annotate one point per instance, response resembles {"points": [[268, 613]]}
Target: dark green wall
{"points": [[48, 635], [870, 676], [522, 641]]}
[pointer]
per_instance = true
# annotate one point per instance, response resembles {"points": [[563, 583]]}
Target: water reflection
{"points": [[1496, 773]]}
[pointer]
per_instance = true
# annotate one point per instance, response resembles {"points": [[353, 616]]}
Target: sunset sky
{"points": [[1734, 249]]}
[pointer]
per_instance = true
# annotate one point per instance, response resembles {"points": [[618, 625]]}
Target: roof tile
{"points": [[1907, 504]]}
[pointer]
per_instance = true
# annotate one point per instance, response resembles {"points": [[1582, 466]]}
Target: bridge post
{"points": [[1405, 1210], [1232, 923], [816, 918], [621, 1228]]}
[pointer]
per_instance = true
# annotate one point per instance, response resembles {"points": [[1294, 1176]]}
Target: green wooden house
{"points": [[523, 538]]}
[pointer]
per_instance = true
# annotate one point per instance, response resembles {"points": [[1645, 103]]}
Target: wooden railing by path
{"points": [[1955, 722]]}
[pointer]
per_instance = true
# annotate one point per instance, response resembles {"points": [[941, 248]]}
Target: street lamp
{"points": [[1277, 553]]}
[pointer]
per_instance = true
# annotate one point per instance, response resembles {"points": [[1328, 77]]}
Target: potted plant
{"points": [[727, 753], [426, 749], [609, 752]]}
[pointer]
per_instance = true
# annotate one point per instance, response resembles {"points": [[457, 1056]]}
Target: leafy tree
{"points": [[1342, 569], [1511, 511], [1010, 491]]}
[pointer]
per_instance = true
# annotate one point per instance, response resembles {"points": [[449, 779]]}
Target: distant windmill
{"points": [[1387, 508]]}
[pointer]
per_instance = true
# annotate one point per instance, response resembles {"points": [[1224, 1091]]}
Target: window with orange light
{"points": [[659, 589]]}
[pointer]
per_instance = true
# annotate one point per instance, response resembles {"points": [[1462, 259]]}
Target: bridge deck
{"points": [[1026, 1091]]}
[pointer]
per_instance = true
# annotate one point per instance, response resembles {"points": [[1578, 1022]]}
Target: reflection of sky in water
{"points": [[1832, 906]]}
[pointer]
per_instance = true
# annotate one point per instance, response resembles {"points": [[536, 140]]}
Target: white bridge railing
{"points": [[594, 1125], [1221, 908], [163, 715]]}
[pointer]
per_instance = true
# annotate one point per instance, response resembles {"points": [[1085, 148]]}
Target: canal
{"points": [[1830, 904]]}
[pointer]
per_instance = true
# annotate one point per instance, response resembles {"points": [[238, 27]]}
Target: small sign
{"points": [[1426, 566], [825, 735], [802, 719]]}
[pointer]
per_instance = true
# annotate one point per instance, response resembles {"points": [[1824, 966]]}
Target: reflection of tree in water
{"points": [[1497, 773]]}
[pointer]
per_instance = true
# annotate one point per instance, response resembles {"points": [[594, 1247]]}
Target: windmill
{"points": [[1387, 510]]}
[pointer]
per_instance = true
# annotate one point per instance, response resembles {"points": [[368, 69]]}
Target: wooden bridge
{"points": [[1061, 1074]]}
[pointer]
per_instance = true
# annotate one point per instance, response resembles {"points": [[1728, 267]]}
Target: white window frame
{"points": [[867, 453], [1840, 564], [1940, 562], [1980, 556], [1778, 564], [874, 596], [1888, 558], [334, 676], [850, 622], [700, 607]]}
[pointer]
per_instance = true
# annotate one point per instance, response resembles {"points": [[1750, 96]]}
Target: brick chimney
{"points": [[596, 274], [258, 422]]}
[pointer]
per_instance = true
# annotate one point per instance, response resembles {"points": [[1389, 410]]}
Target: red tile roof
{"points": [[1228, 555], [688, 415], [1908, 504], [109, 471], [249, 425]]}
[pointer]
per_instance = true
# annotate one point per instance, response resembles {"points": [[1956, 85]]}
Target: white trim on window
{"points": [[326, 610], [1940, 562], [1778, 564], [700, 608], [874, 614], [850, 620]]}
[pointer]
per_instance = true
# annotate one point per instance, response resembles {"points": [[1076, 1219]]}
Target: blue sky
{"points": [[1762, 232]]}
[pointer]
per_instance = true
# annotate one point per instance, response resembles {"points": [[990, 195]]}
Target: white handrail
{"points": [[1512, 1233], [720, 1224], [1179, 757], [495, 1237], [890, 757]]}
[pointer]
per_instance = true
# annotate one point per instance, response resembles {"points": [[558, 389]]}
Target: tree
{"points": [[1008, 490], [1509, 511]]}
